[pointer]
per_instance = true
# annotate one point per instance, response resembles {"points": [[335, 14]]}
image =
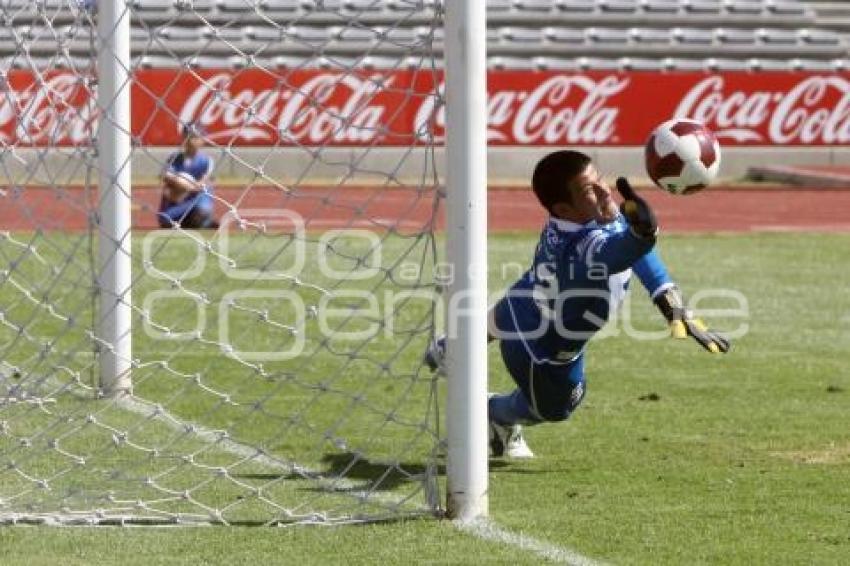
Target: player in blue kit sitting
{"points": [[186, 190], [581, 269]]}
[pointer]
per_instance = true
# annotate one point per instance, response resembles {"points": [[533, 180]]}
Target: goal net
{"points": [[256, 357]]}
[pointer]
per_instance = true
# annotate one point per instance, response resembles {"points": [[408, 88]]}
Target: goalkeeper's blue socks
{"points": [[510, 409]]}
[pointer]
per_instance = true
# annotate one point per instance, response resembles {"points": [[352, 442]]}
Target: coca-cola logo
{"points": [[815, 110], [334, 108], [544, 115], [327, 108], [316, 108], [35, 110]]}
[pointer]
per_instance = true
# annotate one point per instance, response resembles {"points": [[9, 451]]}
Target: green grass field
{"points": [[675, 457]]}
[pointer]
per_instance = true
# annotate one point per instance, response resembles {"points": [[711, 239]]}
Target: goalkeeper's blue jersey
{"points": [[579, 276], [198, 166]]}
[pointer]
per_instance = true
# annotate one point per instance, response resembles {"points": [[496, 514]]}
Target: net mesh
{"points": [[276, 362]]}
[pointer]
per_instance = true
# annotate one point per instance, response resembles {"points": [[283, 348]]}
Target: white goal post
{"points": [[114, 160], [264, 367], [466, 209]]}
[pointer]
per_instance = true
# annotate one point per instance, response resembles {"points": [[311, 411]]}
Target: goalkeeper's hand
{"points": [[683, 324], [636, 210]]}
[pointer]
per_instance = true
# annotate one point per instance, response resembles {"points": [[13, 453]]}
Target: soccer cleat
{"points": [[507, 440], [435, 355]]}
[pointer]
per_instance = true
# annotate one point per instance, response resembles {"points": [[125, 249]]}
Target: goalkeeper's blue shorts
{"points": [[553, 389], [194, 211]]}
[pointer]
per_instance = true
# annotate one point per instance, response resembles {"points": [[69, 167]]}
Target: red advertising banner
{"points": [[400, 108]]}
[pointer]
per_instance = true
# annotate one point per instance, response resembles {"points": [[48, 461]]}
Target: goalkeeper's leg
{"points": [[505, 439], [195, 211], [547, 392]]}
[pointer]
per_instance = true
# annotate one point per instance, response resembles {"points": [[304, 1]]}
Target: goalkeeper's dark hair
{"points": [[553, 173], [192, 130]]}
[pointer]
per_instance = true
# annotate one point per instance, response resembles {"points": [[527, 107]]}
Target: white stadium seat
{"points": [[288, 61], [208, 61], [499, 5], [777, 36], [179, 33], [401, 36], [819, 37], [556, 64], [607, 35], [703, 6], [424, 32], [362, 5], [673, 64], [355, 34], [564, 35], [768, 64], [322, 5], [646, 36], [153, 5], [16, 5], [276, 7], [576, 6], [237, 5], [744, 6], [809, 65], [545, 6], [661, 6], [786, 8], [511, 63], [594, 63], [640, 64], [693, 36], [719, 64], [376, 62], [264, 33], [735, 36], [619, 6], [521, 35], [156, 62], [310, 34], [230, 35], [201, 6]]}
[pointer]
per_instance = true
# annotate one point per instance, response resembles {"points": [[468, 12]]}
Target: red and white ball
{"points": [[682, 156]]}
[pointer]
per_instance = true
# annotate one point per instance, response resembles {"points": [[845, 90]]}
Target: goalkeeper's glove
{"points": [[636, 210], [683, 324]]}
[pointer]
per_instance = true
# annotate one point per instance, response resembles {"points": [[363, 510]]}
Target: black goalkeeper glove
{"points": [[636, 210], [683, 324]]}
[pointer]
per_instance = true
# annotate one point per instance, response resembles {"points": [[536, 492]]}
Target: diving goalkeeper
{"points": [[586, 255]]}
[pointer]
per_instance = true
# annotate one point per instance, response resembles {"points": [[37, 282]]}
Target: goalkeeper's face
{"points": [[590, 198], [192, 144]]}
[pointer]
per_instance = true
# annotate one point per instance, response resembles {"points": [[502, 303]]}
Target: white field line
{"points": [[488, 530], [485, 529], [151, 410], [147, 409]]}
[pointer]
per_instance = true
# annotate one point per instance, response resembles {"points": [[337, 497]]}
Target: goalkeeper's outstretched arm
{"points": [[664, 292], [617, 252]]}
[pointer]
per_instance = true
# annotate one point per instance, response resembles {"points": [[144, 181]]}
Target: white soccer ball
{"points": [[682, 156]]}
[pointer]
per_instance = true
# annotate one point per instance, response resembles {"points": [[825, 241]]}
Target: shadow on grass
{"points": [[352, 472]]}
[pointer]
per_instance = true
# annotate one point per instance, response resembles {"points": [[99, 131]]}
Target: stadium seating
{"points": [[522, 34]]}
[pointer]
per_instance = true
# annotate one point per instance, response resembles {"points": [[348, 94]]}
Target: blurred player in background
{"points": [[186, 190], [579, 276]]}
